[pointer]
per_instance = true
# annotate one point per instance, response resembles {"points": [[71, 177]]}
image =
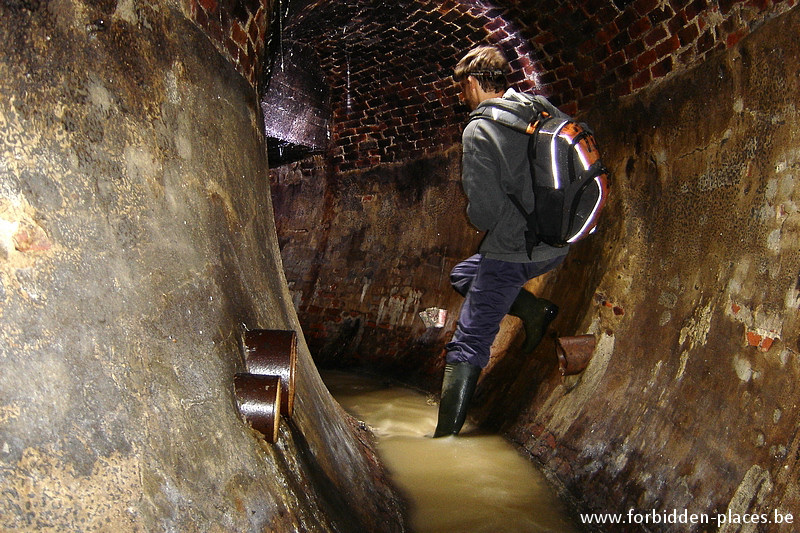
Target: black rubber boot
{"points": [[536, 314], [457, 388]]}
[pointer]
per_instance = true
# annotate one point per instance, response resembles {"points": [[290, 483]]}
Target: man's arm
{"points": [[480, 177]]}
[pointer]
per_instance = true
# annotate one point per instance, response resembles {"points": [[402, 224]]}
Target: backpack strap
{"points": [[531, 233], [497, 113], [506, 113]]}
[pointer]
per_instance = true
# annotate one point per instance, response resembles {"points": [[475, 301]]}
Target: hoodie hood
{"points": [[514, 109]]}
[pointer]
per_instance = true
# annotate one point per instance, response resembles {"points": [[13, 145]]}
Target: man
{"points": [[494, 165]]}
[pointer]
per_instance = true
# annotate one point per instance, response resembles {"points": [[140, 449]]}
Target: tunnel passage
{"points": [[137, 242], [370, 227], [371, 221]]}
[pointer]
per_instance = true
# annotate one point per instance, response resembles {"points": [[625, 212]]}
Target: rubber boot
{"points": [[536, 314], [457, 388]]}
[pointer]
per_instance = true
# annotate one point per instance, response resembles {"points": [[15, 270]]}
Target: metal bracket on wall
{"points": [[574, 353], [259, 401], [267, 389]]}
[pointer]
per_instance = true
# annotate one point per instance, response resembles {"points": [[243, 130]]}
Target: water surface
{"points": [[471, 483]]}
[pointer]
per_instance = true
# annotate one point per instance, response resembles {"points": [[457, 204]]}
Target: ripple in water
{"points": [[471, 483]]}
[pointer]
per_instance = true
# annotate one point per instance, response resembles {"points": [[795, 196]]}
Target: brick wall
{"points": [[365, 251], [389, 67], [237, 28], [396, 99], [610, 49], [394, 105]]}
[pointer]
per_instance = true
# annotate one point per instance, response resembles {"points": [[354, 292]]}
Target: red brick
{"points": [[620, 90], [201, 17], [668, 46], [642, 79], [247, 58], [214, 29], [603, 36], [254, 32], [634, 49], [705, 42], [570, 108], [544, 38], [616, 60], [239, 36], [688, 34], [657, 35], [753, 338], [645, 60], [209, 5], [661, 69], [233, 50], [567, 71], [695, 8], [643, 7], [639, 27]]}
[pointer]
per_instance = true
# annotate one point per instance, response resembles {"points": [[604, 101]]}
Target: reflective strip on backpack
{"points": [[553, 151], [590, 220], [583, 156]]}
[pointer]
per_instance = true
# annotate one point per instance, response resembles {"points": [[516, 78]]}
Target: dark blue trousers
{"points": [[489, 287]]}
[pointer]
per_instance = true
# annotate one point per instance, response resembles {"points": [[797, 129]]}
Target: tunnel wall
{"points": [[238, 29], [691, 290], [137, 244], [389, 65], [366, 252]]}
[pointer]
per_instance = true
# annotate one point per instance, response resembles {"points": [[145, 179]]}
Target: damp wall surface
{"points": [[691, 290], [136, 244]]}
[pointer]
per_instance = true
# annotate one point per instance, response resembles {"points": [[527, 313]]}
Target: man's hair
{"points": [[487, 64]]}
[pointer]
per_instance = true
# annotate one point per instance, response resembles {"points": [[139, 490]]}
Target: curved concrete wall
{"points": [[690, 401], [136, 243]]}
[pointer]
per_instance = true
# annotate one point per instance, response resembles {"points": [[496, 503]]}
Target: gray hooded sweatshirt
{"points": [[495, 164]]}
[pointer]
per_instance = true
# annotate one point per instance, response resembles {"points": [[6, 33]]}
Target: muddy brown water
{"points": [[472, 483]]}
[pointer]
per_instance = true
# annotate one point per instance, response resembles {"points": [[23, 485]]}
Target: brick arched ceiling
{"points": [[387, 63], [388, 67]]}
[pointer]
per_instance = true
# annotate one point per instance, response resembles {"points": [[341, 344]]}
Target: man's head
{"points": [[481, 74]]}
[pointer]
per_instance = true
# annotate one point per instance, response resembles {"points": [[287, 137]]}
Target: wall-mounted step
{"points": [[259, 401], [273, 353], [574, 353]]}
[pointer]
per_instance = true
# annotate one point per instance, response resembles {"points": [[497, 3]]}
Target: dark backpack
{"points": [[569, 179]]}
